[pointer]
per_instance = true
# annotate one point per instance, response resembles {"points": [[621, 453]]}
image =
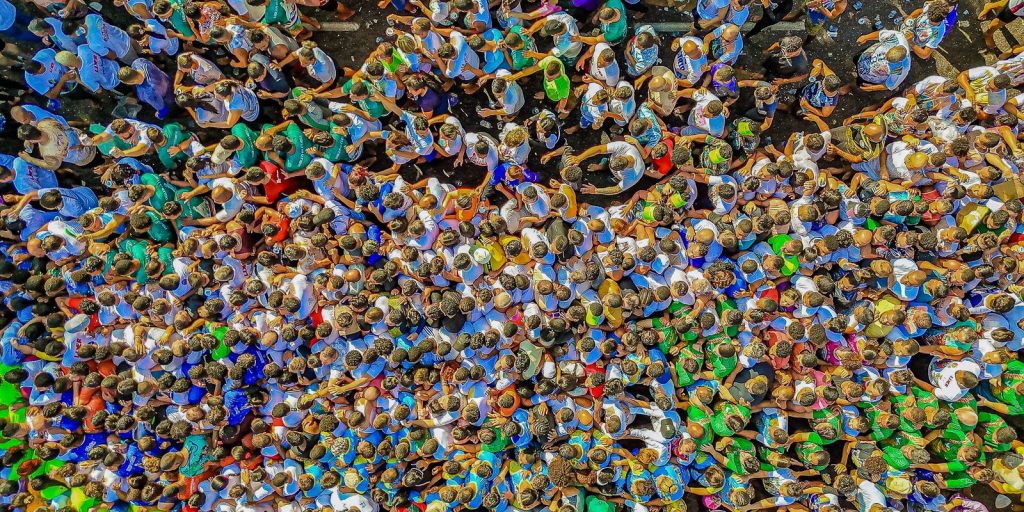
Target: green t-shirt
{"points": [[161, 231], [373, 108], [668, 332], [790, 264], [178, 20], [595, 504], [718, 424], [397, 59], [722, 307], [959, 480], [336, 152], [519, 60], [990, 424], [163, 192], [247, 155], [166, 256], [314, 115], [699, 416], [137, 249], [895, 457], [175, 134], [559, 88], [298, 158], [833, 418], [805, 450], [615, 32], [732, 456], [900, 404], [720, 366], [499, 443], [683, 377]]}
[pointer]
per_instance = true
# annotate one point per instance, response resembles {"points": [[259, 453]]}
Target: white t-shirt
{"points": [[942, 375], [232, 206]]}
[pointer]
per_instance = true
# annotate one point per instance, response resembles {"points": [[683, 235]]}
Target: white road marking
{"points": [[339, 26]]}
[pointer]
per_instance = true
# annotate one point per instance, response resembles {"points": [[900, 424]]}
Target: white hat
{"points": [[77, 323], [481, 256]]}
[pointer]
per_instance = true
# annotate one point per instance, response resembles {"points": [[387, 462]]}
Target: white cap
{"points": [[77, 323], [481, 256]]}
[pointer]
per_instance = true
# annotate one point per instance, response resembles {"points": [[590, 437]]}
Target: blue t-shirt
{"points": [[156, 88], [7, 14], [52, 71], [76, 201], [40, 113], [34, 219], [494, 59], [97, 72], [103, 37], [63, 40], [29, 178]]}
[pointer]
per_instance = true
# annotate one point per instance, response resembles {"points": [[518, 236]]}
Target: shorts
{"points": [[1005, 15]]}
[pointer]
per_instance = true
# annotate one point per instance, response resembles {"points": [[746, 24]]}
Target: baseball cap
{"points": [[77, 323]]}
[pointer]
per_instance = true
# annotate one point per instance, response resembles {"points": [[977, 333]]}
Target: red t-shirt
{"points": [[278, 184], [664, 164], [73, 304]]}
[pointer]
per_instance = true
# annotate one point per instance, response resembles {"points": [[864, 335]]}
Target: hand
{"points": [[863, 39], [458, 161], [588, 189]]}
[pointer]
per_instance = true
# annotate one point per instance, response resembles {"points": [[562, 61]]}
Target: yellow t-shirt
{"points": [[876, 329]]}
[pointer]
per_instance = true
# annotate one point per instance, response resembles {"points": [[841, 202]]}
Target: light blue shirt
{"points": [[104, 37], [7, 14], [97, 72], [52, 71]]}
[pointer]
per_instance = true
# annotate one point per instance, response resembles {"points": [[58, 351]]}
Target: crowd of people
{"points": [[266, 281]]}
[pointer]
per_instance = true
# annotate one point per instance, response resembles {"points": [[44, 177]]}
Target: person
{"points": [[886, 63], [287, 290]]}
